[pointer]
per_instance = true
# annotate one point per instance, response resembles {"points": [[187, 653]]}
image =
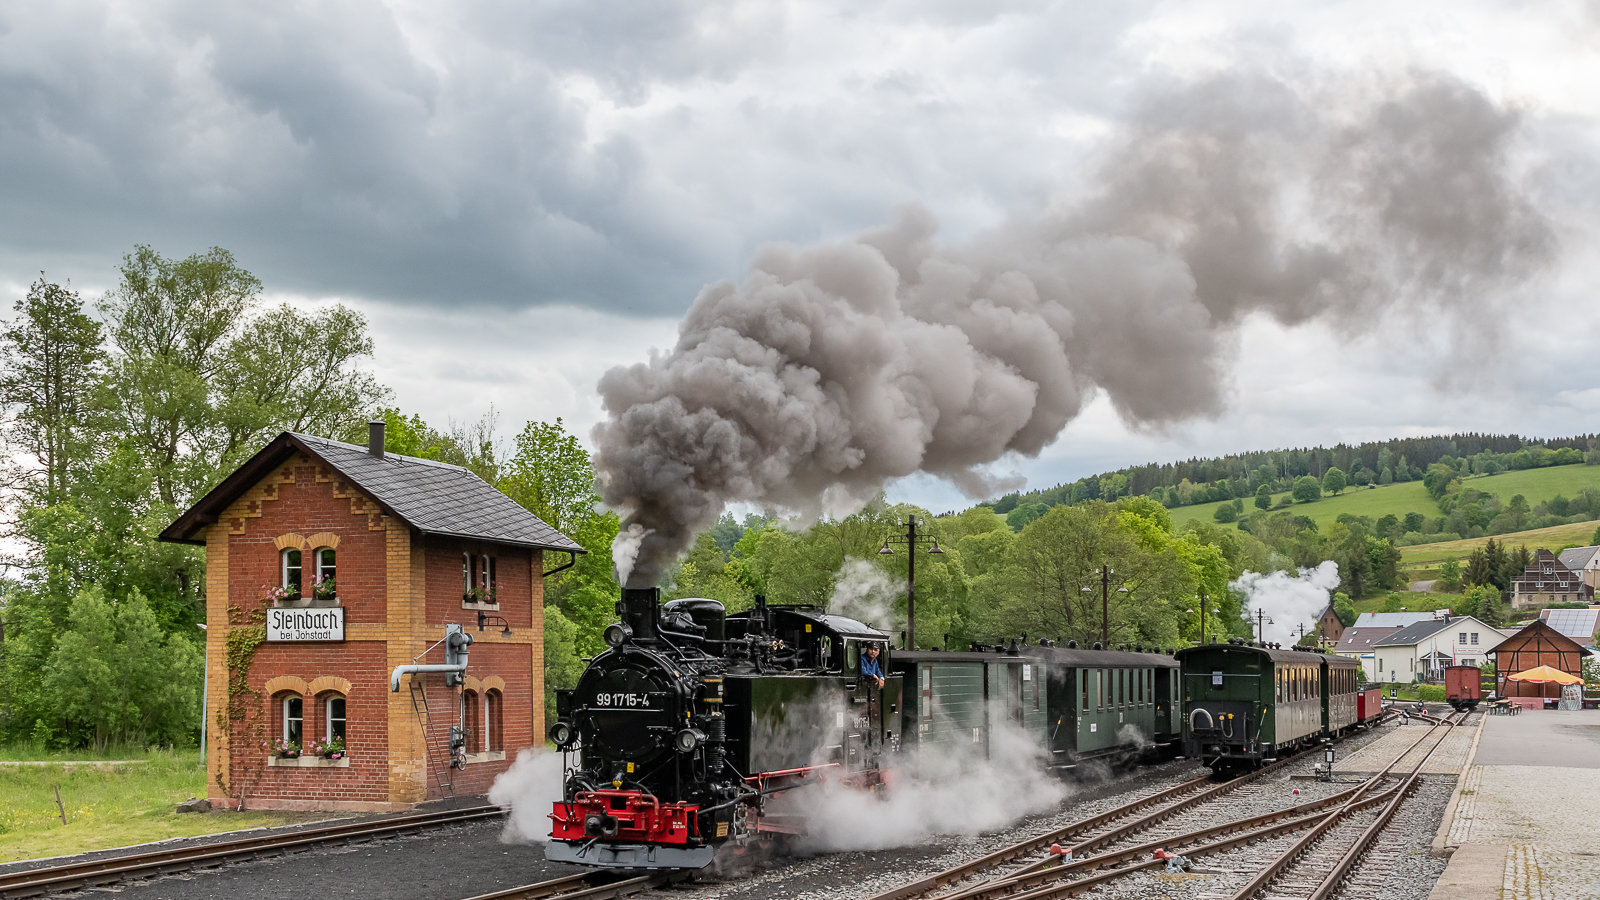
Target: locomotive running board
{"points": [[630, 856]]}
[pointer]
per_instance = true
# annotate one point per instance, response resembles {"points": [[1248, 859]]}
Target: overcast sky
{"points": [[522, 195]]}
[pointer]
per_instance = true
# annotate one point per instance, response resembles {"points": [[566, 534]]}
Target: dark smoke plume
{"points": [[837, 367]]}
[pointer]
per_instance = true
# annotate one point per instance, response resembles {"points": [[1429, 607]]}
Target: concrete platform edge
{"points": [[1476, 872], [1440, 840]]}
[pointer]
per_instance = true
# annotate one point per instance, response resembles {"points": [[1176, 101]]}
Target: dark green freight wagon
{"points": [[1247, 704]]}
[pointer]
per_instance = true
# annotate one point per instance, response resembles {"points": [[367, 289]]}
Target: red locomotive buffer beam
{"points": [[623, 816]]}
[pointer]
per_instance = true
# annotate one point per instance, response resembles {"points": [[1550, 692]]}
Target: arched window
{"points": [[291, 572], [333, 717], [323, 583], [495, 734], [466, 574], [293, 712], [474, 711]]}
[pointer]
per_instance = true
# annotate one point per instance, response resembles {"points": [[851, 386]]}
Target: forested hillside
{"points": [[1243, 475]]}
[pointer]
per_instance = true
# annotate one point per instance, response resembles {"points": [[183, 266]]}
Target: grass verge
{"points": [[109, 805]]}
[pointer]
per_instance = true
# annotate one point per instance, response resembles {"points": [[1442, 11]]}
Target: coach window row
{"points": [[292, 718], [1118, 688], [323, 568]]}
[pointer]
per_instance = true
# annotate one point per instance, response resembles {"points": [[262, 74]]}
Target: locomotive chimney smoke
{"points": [[1289, 600], [833, 369]]}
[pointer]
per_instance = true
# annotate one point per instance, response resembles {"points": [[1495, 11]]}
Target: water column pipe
{"points": [[456, 641]]}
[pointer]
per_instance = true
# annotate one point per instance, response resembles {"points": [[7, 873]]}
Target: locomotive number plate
{"points": [[626, 700]]}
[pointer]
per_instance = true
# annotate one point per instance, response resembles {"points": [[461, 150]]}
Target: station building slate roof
{"points": [[1361, 638], [1577, 558], [1391, 619], [433, 497], [1412, 634]]}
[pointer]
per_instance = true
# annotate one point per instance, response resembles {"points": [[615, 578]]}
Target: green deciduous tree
{"points": [[1333, 481], [117, 679], [202, 377], [1344, 609], [1449, 575], [1307, 489]]}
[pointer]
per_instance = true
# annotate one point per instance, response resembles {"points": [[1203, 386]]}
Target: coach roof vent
{"points": [[375, 439]]}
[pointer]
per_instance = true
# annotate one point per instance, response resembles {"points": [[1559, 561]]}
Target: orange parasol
{"points": [[1544, 675]]}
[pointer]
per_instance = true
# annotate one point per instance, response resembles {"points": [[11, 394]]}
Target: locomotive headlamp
{"points": [[618, 634], [688, 739], [562, 734]]}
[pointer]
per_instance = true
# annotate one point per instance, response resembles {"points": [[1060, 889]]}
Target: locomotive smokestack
{"points": [[639, 609]]}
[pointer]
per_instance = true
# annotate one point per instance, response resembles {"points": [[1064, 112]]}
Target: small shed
{"points": [[1535, 645]]}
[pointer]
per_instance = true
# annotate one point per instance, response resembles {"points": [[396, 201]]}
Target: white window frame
{"points": [[284, 567], [285, 718], [1474, 639], [316, 558], [328, 717]]}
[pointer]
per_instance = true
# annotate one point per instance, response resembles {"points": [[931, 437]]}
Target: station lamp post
{"points": [[1215, 612], [1262, 620], [911, 538], [1105, 573]]}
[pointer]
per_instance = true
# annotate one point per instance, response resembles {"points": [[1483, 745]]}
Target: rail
{"points": [[92, 873]]}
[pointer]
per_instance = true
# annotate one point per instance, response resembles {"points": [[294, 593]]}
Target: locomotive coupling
{"points": [[595, 825]]}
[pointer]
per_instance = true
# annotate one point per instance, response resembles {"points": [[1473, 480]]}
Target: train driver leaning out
{"points": [[871, 667]]}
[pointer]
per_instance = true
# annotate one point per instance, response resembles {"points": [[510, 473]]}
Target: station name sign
{"points": [[306, 624]]}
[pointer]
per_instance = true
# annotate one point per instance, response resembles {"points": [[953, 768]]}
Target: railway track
{"points": [[1317, 866], [584, 886], [1087, 835], [88, 874], [1099, 853]]}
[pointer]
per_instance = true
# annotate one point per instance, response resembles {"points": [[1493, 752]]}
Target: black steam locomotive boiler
{"points": [[680, 733]]}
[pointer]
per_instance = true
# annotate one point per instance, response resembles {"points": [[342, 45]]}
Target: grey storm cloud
{"points": [[337, 153], [835, 368]]}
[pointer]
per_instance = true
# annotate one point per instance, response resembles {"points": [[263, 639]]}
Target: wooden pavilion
{"points": [[1535, 645]]}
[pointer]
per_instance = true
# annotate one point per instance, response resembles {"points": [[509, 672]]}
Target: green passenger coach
{"points": [[1248, 704]]}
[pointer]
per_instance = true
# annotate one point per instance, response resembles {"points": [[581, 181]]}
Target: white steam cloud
{"points": [[529, 790], [863, 592], [940, 790], [833, 369], [1290, 600]]}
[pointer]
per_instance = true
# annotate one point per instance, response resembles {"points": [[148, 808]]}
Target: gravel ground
{"points": [[444, 864], [463, 861]]}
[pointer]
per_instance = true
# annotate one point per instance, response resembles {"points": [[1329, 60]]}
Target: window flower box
{"points": [[309, 762]]}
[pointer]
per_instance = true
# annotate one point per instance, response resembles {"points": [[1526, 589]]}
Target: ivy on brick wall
{"points": [[247, 631]]}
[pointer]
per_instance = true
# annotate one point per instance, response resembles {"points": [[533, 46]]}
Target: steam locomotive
{"points": [[678, 734], [688, 730]]}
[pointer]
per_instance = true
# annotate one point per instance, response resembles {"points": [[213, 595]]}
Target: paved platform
{"points": [[1522, 824], [1449, 760]]}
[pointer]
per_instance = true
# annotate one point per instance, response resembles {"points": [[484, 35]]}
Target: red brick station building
{"points": [[342, 585]]}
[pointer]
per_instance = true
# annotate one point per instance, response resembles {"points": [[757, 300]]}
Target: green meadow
{"points": [[116, 801], [1536, 485]]}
